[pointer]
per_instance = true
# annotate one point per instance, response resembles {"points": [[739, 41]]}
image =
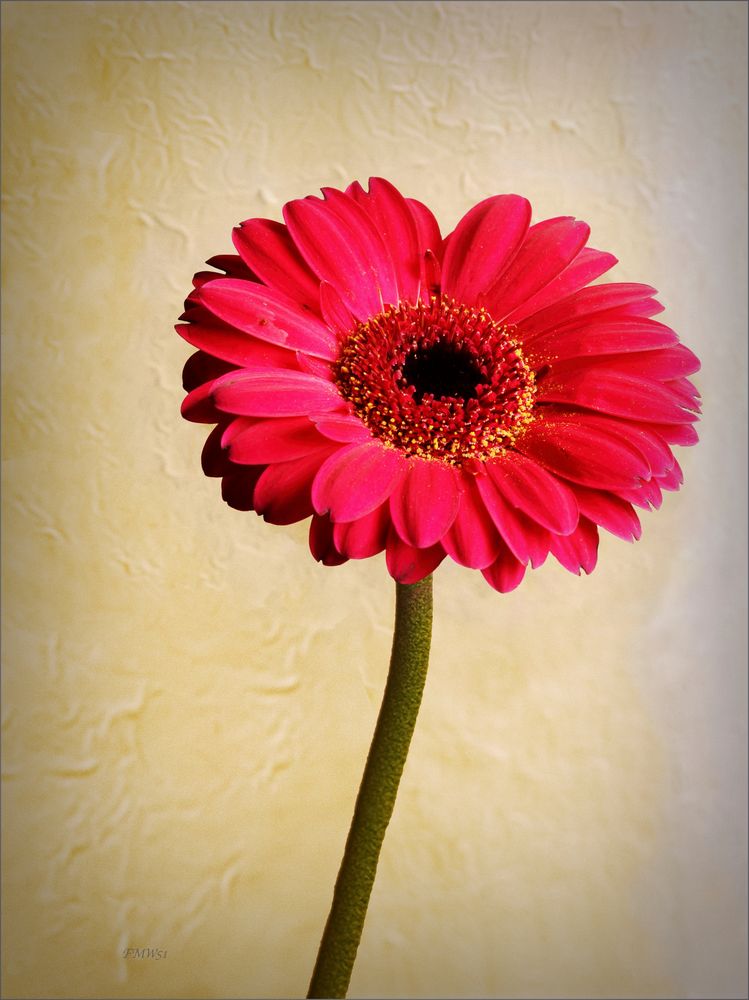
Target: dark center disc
{"points": [[442, 370]]}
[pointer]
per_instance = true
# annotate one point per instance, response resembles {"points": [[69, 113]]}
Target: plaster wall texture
{"points": [[188, 698]]}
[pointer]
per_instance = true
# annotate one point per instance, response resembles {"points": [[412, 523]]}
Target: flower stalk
{"points": [[379, 786]]}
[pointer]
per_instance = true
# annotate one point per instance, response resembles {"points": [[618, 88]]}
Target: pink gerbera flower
{"points": [[469, 396]]}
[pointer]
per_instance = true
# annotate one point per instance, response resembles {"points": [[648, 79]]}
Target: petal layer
{"points": [[585, 338], [610, 512], [341, 245], [282, 492], [586, 266], [615, 393], [268, 315], [278, 440], [585, 303], [322, 544], [267, 248], [341, 427], [425, 502], [473, 539], [274, 393], [364, 537], [356, 479], [483, 243], [588, 455], [505, 573], [202, 367], [539, 494], [525, 538], [546, 251], [407, 564], [224, 343], [578, 550], [395, 223]]}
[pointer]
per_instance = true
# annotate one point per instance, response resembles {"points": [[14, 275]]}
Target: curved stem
{"points": [[374, 804]]}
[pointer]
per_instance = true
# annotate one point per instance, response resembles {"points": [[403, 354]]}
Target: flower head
{"points": [[471, 396]]}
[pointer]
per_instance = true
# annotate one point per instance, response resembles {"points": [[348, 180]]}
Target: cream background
{"points": [[188, 697]]}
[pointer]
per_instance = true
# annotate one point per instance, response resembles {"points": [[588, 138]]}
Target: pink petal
{"points": [[315, 366], [505, 573], [672, 478], [586, 302], [473, 539], [199, 407], [683, 434], [547, 250], [197, 313], [588, 265], [594, 336], [672, 362], [277, 440], [201, 367], [334, 310], [431, 247], [267, 248], [321, 543], [638, 309], [341, 245], [645, 495], [274, 393], [585, 454], [431, 279], [232, 265], [425, 502], [538, 540], [230, 346], [238, 485], [483, 243], [427, 227], [341, 427], [356, 191], [394, 221], [614, 393], [642, 307], [610, 512], [364, 537], [356, 479], [214, 459], [282, 494], [578, 550], [661, 365], [234, 427], [525, 538], [640, 436], [200, 278], [408, 565], [268, 315], [686, 392], [536, 492]]}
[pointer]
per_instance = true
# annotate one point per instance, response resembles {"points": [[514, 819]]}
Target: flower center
{"points": [[442, 369], [439, 381]]}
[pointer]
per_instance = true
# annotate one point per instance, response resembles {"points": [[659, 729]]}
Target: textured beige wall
{"points": [[188, 697]]}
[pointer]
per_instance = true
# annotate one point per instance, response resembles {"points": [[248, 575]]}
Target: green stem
{"points": [[379, 786]]}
